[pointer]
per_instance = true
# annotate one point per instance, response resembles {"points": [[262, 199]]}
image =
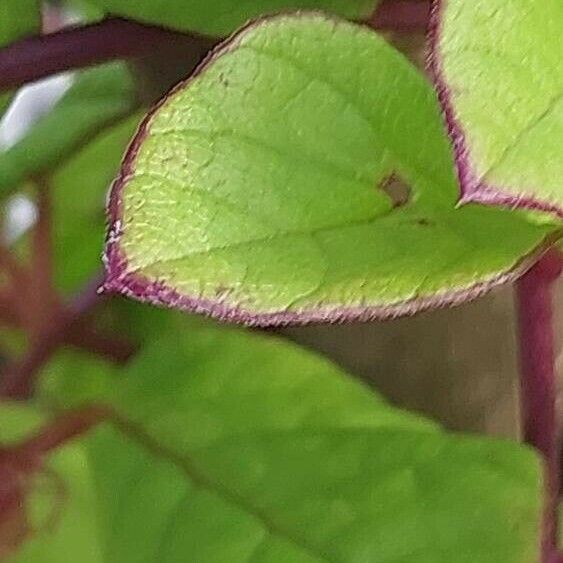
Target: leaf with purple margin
{"points": [[497, 66], [257, 191]]}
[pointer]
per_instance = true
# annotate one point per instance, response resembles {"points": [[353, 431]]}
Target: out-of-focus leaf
{"points": [[18, 19], [235, 447], [98, 98], [143, 324], [73, 378], [87, 11], [221, 17], [261, 190], [497, 64]]}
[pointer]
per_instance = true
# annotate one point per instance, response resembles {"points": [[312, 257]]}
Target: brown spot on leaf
{"points": [[423, 222], [397, 189]]}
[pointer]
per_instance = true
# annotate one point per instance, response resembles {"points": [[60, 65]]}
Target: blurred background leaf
{"points": [[233, 445], [18, 19], [222, 17], [97, 99]]}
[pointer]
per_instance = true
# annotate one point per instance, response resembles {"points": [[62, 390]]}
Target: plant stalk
{"points": [[32, 58], [22, 462], [18, 380], [66, 427], [39, 56], [403, 16], [42, 295], [539, 384]]}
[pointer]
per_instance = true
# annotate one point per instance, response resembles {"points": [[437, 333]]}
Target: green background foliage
{"points": [[235, 446], [98, 97], [222, 17], [19, 18]]}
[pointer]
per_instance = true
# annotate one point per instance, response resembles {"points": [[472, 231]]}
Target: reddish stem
{"points": [[84, 334], [33, 58], [18, 379], [43, 300], [11, 266], [7, 314], [17, 288], [405, 16], [109, 346], [62, 429], [538, 382], [19, 464]]}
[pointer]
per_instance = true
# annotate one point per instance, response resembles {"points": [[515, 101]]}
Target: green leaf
{"points": [[18, 19], [218, 383], [498, 67], [256, 191], [88, 11], [316, 496], [17, 422], [221, 17], [98, 98], [71, 379], [237, 447]]}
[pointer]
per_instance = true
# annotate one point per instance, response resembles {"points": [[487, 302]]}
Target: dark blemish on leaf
{"points": [[397, 189], [223, 79], [424, 222]]}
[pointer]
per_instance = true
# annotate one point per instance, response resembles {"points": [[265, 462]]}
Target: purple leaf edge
{"points": [[472, 189], [119, 280]]}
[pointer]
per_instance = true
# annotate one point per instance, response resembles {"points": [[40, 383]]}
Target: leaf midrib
{"points": [[526, 130], [273, 237], [185, 463]]}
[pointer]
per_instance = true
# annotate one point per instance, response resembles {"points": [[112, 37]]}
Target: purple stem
{"points": [[405, 16], [538, 384], [33, 58], [18, 379]]}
